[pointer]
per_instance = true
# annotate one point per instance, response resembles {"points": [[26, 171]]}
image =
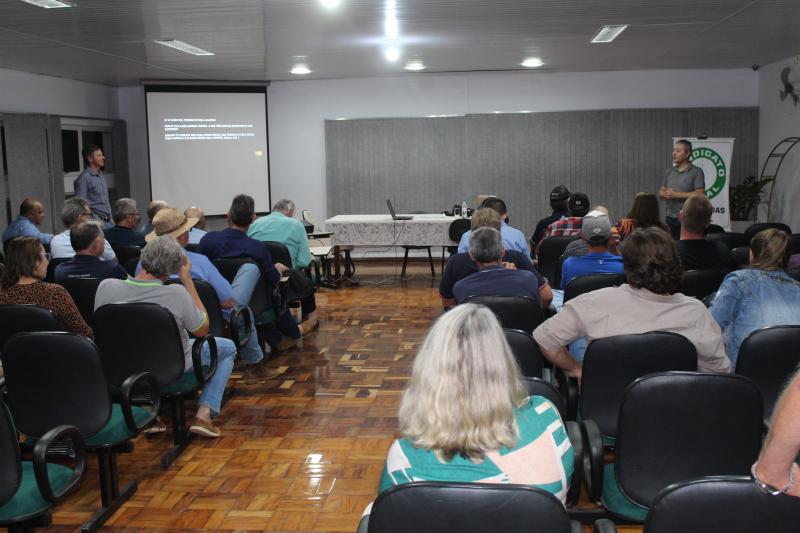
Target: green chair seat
{"points": [[266, 317], [115, 430], [27, 501], [184, 384], [615, 501]]}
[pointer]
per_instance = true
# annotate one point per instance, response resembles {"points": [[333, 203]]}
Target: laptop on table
{"points": [[395, 216]]}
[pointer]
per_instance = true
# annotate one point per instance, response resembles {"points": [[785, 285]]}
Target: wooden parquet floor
{"points": [[303, 452]]}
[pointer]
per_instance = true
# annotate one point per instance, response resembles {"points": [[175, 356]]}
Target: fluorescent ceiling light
{"points": [[300, 69], [392, 54], [184, 47], [415, 65], [532, 62], [609, 33], [49, 4], [330, 4], [391, 28]]}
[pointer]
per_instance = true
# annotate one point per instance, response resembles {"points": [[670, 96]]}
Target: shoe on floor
{"points": [[307, 328], [286, 344], [155, 428], [259, 371], [205, 429]]}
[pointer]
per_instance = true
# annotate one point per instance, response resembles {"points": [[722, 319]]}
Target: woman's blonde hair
{"points": [[485, 217], [464, 387], [770, 249]]}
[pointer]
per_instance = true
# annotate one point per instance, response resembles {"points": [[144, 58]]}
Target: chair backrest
{"points": [[18, 318], [545, 389], [207, 294], [50, 277], [10, 467], [458, 228], [260, 300], [526, 351], [713, 228], [138, 337], [761, 226], [611, 364], [83, 291], [676, 426], [53, 379], [700, 283], [741, 256], [279, 252], [549, 251], [192, 247], [592, 282], [770, 356], [730, 239], [434, 507], [513, 312], [794, 242], [722, 504], [125, 253]]}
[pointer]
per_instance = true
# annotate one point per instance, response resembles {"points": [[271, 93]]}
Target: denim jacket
{"points": [[749, 300]]}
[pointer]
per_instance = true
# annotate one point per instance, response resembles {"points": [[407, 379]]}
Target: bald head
{"points": [[154, 207], [196, 212], [32, 209]]}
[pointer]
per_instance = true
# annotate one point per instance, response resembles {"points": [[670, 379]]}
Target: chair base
{"points": [[43, 520], [588, 517], [104, 513]]}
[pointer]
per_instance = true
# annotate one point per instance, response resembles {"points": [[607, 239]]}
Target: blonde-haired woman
{"points": [[464, 416]]}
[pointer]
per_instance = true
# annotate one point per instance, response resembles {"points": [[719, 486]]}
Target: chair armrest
{"points": [[236, 315], [127, 400], [593, 459], [576, 439], [197, 362], [604, 525], [569, 391], [575, 527], [43, 445]]}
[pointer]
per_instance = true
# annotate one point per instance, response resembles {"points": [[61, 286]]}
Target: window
{"points": [[78, 133]]}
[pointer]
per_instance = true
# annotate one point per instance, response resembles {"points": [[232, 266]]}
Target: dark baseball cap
{"points": [[578, 201], [559, 194]]}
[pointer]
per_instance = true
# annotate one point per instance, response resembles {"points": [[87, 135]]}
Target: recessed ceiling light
{"points": [[184, 47], [392, 54], [300, 69], [532, 62], [50, 4], [330, 4], [609, 33], [415, 65]]}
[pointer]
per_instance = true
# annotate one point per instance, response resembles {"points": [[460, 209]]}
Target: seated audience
{"points": [[513, 239], [233, 242], [648, 302], [493, 278], [571, 225], [777, 467], [161, 258], [199, 229], [596, 233], [459, 266], [152, 208], [580, 247], [173, 223], [696, 252], [76, 210], [559, 199], [126, 219], [465, 417], [644, 213], [87, 240], [21, 283], [760, 295], [281, 226], [31, 216]]}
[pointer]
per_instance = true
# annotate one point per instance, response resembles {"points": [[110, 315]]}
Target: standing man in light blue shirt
{"points": [[91, 184], [513, 239], [31, 215]]}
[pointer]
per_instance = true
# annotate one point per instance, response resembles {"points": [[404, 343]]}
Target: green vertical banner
{"points": [[714, 156]]}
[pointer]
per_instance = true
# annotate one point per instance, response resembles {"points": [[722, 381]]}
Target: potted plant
{"points": [[746, 196]]}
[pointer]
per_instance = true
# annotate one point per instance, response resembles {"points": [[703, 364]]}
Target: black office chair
{"points": [[730, 239], [83, 291], [55, 379], [127, 351], [794, 241], [28, 489], [279, 252], [591, 282], [263, 301], [526, 351], [700, 283], [455, 231], [741, 256], [672, 427], [713, 228], [190, 247], [770, 356], [513, 312], [549, 251], [128, 257], [611, 364], [19, 318], [435, 507], [761, 226], [50, 277]]}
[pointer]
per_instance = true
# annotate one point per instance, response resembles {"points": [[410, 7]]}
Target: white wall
{"points": [[21, 92], [297, 109], [777, 121]]}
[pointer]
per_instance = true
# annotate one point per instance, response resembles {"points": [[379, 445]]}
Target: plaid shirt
{"points": [[560, 228]]}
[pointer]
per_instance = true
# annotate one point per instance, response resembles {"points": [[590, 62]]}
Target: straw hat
{"points": [[170, 221]]}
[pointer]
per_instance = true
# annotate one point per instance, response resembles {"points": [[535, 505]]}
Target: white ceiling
{"points": [[111, 41]]}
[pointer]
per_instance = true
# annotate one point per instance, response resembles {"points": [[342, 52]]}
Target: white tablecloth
{"points": [[381, 230]]}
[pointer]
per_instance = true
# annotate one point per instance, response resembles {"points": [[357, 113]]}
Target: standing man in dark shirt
{"points": [[126, 220], [91, 183], [697, 253], [681, 181], [559, 200], [88, 242]]}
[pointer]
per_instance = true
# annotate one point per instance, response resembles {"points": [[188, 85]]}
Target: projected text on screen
{"points": [[204, 129]]}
